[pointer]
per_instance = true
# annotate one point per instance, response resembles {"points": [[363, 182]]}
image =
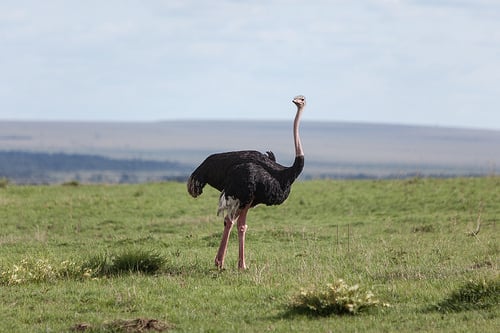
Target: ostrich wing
{"points": [[215, 169], [255, 183]]}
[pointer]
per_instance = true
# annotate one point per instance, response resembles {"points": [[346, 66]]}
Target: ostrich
{"points": [[245, 179]]}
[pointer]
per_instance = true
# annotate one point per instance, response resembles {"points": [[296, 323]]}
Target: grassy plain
{"points": [[408, 241]]}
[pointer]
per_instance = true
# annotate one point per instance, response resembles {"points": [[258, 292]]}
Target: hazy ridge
{"points": [[335, 150]]}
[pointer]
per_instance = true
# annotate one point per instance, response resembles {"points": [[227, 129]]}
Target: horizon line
{"points": [[246, 120]]}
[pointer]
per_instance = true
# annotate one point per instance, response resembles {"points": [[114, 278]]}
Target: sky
{"points": [[427, 62]]}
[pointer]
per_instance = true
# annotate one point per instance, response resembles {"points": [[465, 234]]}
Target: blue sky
{"points": [[385, 61]]}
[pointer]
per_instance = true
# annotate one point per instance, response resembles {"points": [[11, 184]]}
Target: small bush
{"points": [[98, 265], [38, 270], [338, 298], [148, 262], [474, 295], [30, 270]]}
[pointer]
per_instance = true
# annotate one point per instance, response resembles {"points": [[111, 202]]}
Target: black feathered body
{"points": [[248, 176]]}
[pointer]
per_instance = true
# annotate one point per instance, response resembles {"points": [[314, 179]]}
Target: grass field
{"points": [[89, 258]]}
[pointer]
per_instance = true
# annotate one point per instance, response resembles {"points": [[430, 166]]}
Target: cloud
{"points": [[373, 60]]}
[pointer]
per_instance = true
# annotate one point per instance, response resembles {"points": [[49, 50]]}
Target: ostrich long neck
{"points": [[288, 175], [296, 137]]}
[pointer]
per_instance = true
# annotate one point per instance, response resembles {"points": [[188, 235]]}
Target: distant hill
{"points": [[332, 149], [42, 168]]}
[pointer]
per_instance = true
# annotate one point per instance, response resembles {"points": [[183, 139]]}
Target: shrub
{"points": [[337, 298], [148, 262], [30, 270], [38, 270], [473, 295]]}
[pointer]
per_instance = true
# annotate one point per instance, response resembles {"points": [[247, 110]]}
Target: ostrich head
{"points": [[300, 101]]}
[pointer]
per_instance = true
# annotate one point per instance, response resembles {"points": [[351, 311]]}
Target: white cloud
{"points": [[373, 60]]}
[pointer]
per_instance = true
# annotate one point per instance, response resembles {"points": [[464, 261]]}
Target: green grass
{"points": [[105, 256]]}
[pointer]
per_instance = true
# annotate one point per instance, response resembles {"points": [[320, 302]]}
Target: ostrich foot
{"points": [[219, 263], [241, 265]]}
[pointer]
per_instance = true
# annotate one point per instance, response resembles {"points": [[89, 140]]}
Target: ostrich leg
{"points": [[242, 229], [219, 258]]}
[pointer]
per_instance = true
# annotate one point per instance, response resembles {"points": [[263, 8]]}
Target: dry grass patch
{"points": [[126, 325]]}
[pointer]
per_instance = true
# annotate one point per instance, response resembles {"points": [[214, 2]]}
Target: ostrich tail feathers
{"points": [[271, 156], [194, 186]]}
